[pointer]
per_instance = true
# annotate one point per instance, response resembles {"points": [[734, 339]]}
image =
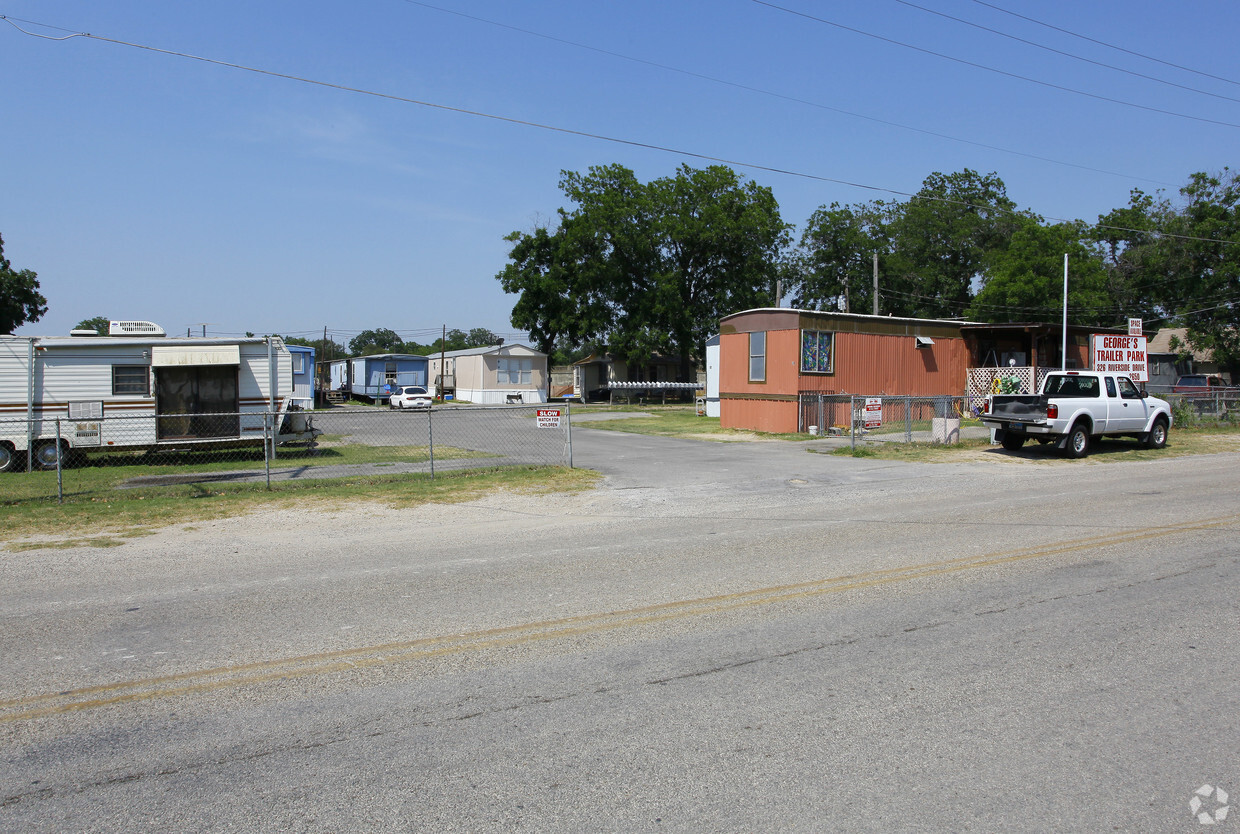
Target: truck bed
{"points": [[1025, 407]]}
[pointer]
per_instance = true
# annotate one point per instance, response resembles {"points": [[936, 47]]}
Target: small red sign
{"points": [[873, 412]]}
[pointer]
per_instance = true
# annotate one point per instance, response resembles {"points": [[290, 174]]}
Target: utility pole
{"points": [[443, 348], [1063, 350], [876, 283]]}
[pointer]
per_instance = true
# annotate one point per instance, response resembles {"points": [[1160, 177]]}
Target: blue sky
{"points": [[139, 184]]}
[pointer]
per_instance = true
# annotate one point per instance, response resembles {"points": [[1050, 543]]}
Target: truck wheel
{"points": [[45, 455], [8, 458], [1012, 442], [1078, 441], [1157, 438]]}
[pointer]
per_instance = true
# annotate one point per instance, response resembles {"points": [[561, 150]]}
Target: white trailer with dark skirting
{"points": [[138, 389]]}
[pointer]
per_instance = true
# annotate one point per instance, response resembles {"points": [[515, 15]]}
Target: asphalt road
{"points": [[722, 637]]}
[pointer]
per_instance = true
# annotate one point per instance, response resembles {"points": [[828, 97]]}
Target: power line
{"points": [[1106, 309], [1065, 54], [781, 96], [579, 133], [1105, 44], [995, 70]]}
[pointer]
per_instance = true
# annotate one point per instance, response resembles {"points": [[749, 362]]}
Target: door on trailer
{"points": [[197, 401]]}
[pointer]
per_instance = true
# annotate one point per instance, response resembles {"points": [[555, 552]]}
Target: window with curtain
{"points": [[514, 371], [817, 351]]}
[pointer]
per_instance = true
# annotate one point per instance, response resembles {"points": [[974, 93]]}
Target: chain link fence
{"points": [[104, 453], [1216, 408], [939, 419]]}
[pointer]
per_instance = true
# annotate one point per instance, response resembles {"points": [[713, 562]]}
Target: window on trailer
{"points": [[757, 357], [133, 380], [817, 351], [515, 371]]}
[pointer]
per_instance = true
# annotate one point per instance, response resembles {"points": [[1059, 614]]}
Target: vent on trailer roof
{"points": [[135, 328]]}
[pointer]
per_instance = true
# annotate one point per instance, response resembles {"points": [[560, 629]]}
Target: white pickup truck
{"points": [[1075, 407]]}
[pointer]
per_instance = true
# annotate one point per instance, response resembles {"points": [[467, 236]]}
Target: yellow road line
{"points": [[225, 677]]}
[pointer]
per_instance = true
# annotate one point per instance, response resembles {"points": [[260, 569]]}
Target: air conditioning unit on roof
{"points": [[135, 328]]}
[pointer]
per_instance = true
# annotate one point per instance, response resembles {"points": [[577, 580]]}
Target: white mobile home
{"points": [[138, 389], [491, 375]]}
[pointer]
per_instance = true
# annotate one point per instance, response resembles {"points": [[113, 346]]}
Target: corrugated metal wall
{"points": [[864, 364], [776, 416], [873, 364]]}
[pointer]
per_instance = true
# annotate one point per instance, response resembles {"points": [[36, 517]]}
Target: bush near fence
{"points": [[224, 448], [1216, 409]]}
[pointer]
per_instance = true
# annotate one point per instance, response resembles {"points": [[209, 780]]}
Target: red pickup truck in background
{"points": [[1200, 384]]}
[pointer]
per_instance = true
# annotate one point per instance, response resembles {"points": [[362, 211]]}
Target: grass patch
{"points": [[331, 450], [1180, 442], [103, 517], [672, 421], [912, 452]]}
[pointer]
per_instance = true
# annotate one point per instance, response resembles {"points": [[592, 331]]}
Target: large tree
{"points": [[99, 324], [1023, 281], [20, 301], [641, 269], [380, 340], [481, 337], [327, 349], [1192, 265], [836, 257], [940, 240]]}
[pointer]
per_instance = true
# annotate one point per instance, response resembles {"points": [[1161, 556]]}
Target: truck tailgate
{"points": [[1024, 407]]}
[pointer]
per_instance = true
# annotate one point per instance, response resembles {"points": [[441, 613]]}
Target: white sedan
{"points": [[410, 396]]}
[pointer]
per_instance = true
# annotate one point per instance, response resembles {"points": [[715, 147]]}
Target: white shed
{"points": [[712, 377]]}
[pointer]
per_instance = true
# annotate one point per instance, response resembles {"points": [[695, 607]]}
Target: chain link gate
{"points": [[907, 419]]}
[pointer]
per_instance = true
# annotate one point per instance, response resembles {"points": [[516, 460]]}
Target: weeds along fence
{"points": [[55, 457], [1217, 408], [900, 419]]}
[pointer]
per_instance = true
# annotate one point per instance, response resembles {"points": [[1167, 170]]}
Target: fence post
{"points": [[908, 419], [267, 446], [852, 420], [60, 485], [430, 438], [568, 430]]}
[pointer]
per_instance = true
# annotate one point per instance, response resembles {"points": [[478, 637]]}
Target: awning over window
{"points": [[168, 356]]}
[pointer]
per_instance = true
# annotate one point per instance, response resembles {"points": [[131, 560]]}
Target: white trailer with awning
{"points": [[138, 389]]}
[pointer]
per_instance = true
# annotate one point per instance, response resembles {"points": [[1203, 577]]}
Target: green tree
{"points": [[99, 324], [1024, 280], [646, 268], [481, 337], [836, 266], [325, 349], [20, 300], [1193, 266], [940, 240], [1126, 237], [370, 342], [452, 340]]}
